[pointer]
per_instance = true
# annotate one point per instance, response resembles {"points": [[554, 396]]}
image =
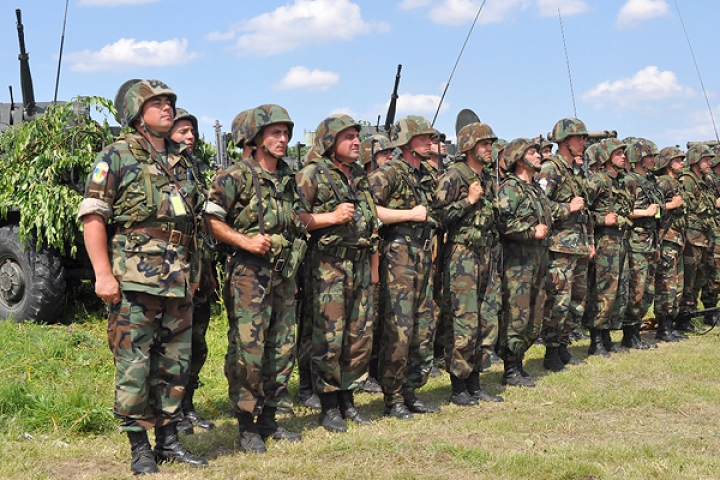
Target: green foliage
{"points": [[45, 163]]}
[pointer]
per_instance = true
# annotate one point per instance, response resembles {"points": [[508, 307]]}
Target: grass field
{"points": [[650, 414]]}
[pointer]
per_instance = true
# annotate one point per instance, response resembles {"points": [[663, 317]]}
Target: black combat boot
{"points": [[597, 347], [460, 395], [664, 331], [305, 390], [472, 382], [250, 439], [169, 449], [513, 375], [346, 402], [191, 415], [415, 405], [566, 357], [143, 458], [631, 339], [268, 427], [552, 360], [609, 345], [330, 417], [645, 344], [685, 325]]}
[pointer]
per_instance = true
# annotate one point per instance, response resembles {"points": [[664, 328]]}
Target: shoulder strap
{"points": [[256, 184], [323, 169]]}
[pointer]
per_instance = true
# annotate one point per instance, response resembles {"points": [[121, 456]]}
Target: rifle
{"points": [[390, 117], [221, 156]]}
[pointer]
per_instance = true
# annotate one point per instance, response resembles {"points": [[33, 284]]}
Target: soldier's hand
{"points": [[475, 192], [653, 209], [717, 203], [194, 287], [676, 202], [259, 244], [418, 214], [344, 213], [592, 252], [107, 288], [611, 219], [541, 231], [577, 204]]}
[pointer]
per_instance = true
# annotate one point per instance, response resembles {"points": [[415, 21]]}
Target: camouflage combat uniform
{"points": [[148, 198], [711, 290]]}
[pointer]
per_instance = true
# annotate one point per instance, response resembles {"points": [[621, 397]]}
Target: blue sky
{"points": [[631, 66]]}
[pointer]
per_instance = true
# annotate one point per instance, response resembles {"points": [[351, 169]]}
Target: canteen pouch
{"points": [[297, 254]]}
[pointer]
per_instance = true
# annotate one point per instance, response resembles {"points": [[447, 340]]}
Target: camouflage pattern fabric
{"points": [[670, 272], [260, 117], [141, 92], [568, 127], [408, 127], [711, 290]]}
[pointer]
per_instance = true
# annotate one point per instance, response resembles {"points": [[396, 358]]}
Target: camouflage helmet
{"points": [[696, 152], [567, 127], [260, 117], [182, 114], [515, 150], [667, 154], [544, 142], [632, 149], [606, 149], [239, 128], [141, 92], [592, 154], [471, 134], [373, 144], [499, 146], [408, 127], [326, 133]]}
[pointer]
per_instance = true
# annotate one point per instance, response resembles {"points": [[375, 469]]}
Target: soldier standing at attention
{"points": [[147, 270], [524, 221], [252, 210], [700, 238], [571, 240], [406, 350], [466, 211], [670, 273], [711, 290], [336, 207], [185, 130], [643, 254]]}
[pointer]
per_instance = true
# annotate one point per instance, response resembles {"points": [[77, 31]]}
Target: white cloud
{"points": [[303, 22], [303, 78], [635, 11], [649, 84], [128, 52], [458, 12], [344, 111], [112, 3], [549, 8], [219, 36], [410, 4], [409, 104]]}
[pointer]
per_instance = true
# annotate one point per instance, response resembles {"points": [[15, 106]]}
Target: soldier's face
{"points": [[618, 158], [182, 131], [649, 162], [421, 144], [546, 152], [275, 138], [576, 144], [676, 165], [533, 156], [705, 164], [347, 145], [483, 149], [383, 157], [157, 113]]}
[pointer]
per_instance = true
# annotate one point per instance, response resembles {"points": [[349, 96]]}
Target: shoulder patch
{"points": [[100, 172], [543, 183]]}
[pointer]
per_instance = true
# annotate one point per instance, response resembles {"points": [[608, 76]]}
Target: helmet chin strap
{"points": [[416, 154], [276, 157], [153, 132], [334, 158], [529, 164]]}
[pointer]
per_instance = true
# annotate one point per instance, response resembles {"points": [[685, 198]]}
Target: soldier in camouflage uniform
{"points": [[403, 206], [609, 276], [466, 211], [643, 238], [700, 237], [546, 147], [336, 207], [711, 290], [498, 158], [185, 130], [147, 269], [238, 133], [525, 216], [252, 210], [571, 240], [670, 272]]}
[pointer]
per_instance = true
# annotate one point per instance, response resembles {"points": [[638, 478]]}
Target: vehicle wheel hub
{"points": [[12, 281]]}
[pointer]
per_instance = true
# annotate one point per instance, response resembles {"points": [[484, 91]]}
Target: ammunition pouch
{"points": [[296, 254]]}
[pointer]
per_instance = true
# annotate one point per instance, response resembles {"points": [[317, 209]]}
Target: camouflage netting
{"points": [[45, 163]]}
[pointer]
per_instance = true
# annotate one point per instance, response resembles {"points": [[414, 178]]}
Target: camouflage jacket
{"points": [[713, 180], [557, 179], [233, 200], [672, 222], [400, 186], [129, 188], [610, 195], [644, 192], [522, 206], [700, 210], [316, 195], [465, 223]]}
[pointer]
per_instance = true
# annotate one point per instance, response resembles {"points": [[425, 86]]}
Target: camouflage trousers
{"points": [[261, 336], [641, 285], [149, 337], [304, 317], [711, 290], [523, 298], [490, 308], [699, 268], [608, 283], [469, 271], [342, 322], [202, 310], [406, 348], [669, 280], [562, 269], [578, 298]]}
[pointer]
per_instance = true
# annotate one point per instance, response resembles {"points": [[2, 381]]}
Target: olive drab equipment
{"points": [[408, 127], [119, 102], [697, 152], [373, 145], [239, 128]]}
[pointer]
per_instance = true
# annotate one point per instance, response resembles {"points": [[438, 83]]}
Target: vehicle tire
{"points": [[32, 283]]}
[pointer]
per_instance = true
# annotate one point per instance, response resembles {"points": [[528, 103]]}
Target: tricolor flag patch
{"points": [[100, 173]]}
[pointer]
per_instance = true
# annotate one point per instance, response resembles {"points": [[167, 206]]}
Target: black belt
{"points": [[243, 256], [614, 231], [407, 240], [421, 233], [175, 237], [346, 253]]}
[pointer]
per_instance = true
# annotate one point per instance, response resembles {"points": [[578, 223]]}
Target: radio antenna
{"points": [[62, 43], [567, 62]]}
